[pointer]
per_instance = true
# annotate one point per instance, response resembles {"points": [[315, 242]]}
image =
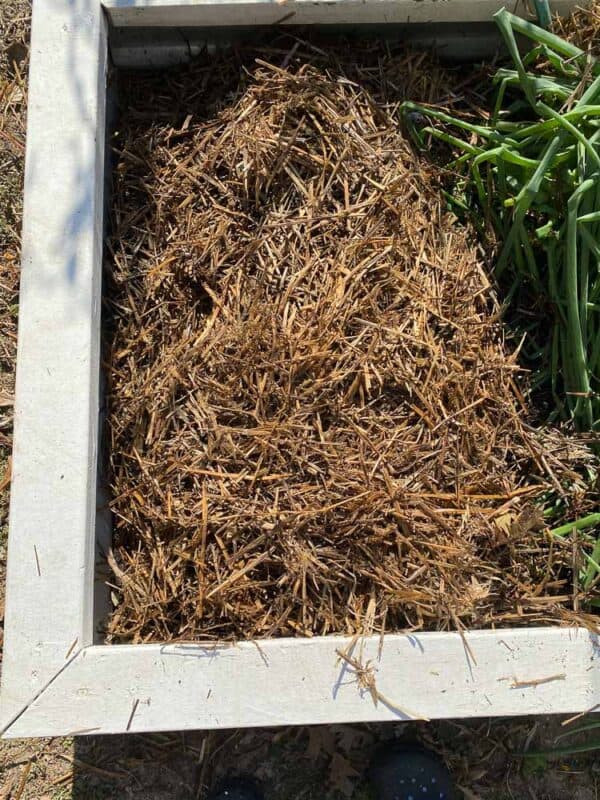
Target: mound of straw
{"points": [[315, 424]]}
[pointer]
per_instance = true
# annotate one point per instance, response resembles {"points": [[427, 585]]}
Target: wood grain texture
{"points": [[53, 502], [305, 12], [303, 681]]}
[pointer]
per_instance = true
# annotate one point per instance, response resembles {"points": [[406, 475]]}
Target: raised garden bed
{"points": [[58, 677]]}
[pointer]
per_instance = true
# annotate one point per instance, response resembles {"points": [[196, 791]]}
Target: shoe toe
{"points": [[410, 773], [238, 789]]}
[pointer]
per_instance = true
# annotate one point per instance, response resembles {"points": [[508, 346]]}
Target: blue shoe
{"points": [[238, 789], [409, 772]]}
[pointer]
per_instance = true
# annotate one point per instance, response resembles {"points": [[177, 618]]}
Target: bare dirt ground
{"points": [[293, 763]]}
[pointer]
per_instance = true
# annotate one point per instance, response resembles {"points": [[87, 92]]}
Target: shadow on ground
{"points": [[329, 762]]}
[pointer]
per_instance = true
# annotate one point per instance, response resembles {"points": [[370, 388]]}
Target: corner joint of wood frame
{"points": [[5, 727]]}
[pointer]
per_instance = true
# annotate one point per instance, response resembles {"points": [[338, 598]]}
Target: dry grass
{"points": [[315, 424], [14, 33], [582, 27]]}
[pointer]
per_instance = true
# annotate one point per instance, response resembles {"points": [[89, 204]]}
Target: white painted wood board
{"points": [[302, 681], [51, 541], [54, 680], [169, 13]]}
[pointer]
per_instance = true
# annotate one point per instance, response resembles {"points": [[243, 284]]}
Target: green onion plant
{"points": [[531, 172]]}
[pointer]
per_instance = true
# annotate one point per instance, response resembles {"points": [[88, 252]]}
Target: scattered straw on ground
{"points": [[314, 422]]}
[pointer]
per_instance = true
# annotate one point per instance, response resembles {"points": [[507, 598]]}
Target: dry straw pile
{"points": [[315, 424]]}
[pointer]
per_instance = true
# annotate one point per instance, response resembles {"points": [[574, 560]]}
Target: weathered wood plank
{"points": [[302, 681], [53, 506], [169, 13]]}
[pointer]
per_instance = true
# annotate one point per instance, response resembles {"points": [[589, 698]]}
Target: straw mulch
{"points": [[581, 27], [314, 421]]}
